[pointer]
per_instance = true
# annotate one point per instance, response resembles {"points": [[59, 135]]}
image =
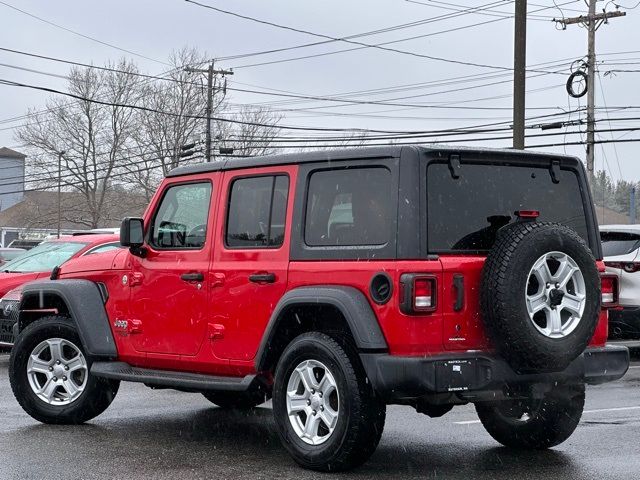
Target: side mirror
{"points": [[132, 232]]}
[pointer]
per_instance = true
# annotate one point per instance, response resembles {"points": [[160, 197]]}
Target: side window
{"points": [[257, 212], [348, 207], [181, 220]]}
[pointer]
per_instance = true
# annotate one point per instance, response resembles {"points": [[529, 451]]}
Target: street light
{"points": [[60, 154]]}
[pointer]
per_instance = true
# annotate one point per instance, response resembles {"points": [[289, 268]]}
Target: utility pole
{"points": [[519, 73], [60, 154], [211, 72], [592, 22]]}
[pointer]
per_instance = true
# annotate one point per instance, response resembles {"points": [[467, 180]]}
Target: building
{"points": [[33, 214], [11, 177], [36, 216]]}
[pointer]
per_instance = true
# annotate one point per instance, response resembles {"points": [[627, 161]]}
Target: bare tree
{"points": [[170, 120], [93, 136], [111, 148], [353, 139], [252, 131]]}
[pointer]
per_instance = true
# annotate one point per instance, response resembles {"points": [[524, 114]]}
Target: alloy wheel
{"points": [[555, 294], [57, 371], [313, 403]]}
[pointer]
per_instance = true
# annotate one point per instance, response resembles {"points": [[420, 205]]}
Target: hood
{"points": [[110, 260], [9, 281]]}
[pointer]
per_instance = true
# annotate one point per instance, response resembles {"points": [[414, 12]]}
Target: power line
{"points": [[303, 147], [331, 99], [363, 34], [82, 34], [346, 40], [289, 95], [382, 44], [227, 120], [549, 145], [488, 12], [296, 97], [604, 101]]}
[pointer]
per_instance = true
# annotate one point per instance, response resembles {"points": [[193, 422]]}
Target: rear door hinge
{"points": [[454, 165], [554, 170]]}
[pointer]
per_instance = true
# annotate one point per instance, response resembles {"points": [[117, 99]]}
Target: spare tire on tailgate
{"points": [[540, 296]]}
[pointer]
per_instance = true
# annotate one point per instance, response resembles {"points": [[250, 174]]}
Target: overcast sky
{"points": [[154, 28]]}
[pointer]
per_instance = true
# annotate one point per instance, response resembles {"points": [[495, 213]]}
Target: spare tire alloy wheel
{"points": [[555, 295], [57, 371], [313, 402]]}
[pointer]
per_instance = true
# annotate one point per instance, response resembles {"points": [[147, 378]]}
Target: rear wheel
{"points": [[50, 375], [327, 414], [534, 424], [236, 400]]}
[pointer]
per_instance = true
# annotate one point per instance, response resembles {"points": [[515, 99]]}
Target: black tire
{"points": [[97, 395], [505, 279], [236, 400], [552, 419], [361, 414]]}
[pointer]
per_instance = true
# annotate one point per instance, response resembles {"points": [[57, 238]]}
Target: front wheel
{"points": [[534, 424], [327, 414], [49, 372]]}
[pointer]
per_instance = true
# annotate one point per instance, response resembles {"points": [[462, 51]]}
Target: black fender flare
{"points": [[86, 307], [351, 302]]}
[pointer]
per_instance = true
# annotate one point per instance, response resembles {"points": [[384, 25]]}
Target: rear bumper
{"points": [[472, 375], [624, 322]]}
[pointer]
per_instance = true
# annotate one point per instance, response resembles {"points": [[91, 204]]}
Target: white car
{"points": [[621, 250]]}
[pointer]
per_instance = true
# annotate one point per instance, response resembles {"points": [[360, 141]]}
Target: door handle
{"points": [[192, 277], [262, 277]]}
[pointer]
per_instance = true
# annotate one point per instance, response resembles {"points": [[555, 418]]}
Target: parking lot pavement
{"points": [[153, 434]]}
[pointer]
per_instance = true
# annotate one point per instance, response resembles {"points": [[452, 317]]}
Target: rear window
{"points": [[348, 207], [619, 243], [466, 213]]}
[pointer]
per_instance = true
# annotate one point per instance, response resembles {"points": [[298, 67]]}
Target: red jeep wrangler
{"points": [[339, 282]]}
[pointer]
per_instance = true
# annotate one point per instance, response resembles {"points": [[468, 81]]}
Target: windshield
{"points": [[619, 243], [44, 257]]}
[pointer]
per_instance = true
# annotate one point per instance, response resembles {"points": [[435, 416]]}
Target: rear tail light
{"points": [[423, 293], [418, 293], [629, 267], [609, 286]]}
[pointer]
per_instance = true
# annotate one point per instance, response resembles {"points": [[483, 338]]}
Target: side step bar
{"points": [[171, 379]]}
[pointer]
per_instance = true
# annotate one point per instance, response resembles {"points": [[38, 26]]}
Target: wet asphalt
{"points": [[162, 434]]}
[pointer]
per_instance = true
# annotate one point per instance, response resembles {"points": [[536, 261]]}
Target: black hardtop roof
{"points": [[367, 152]]}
